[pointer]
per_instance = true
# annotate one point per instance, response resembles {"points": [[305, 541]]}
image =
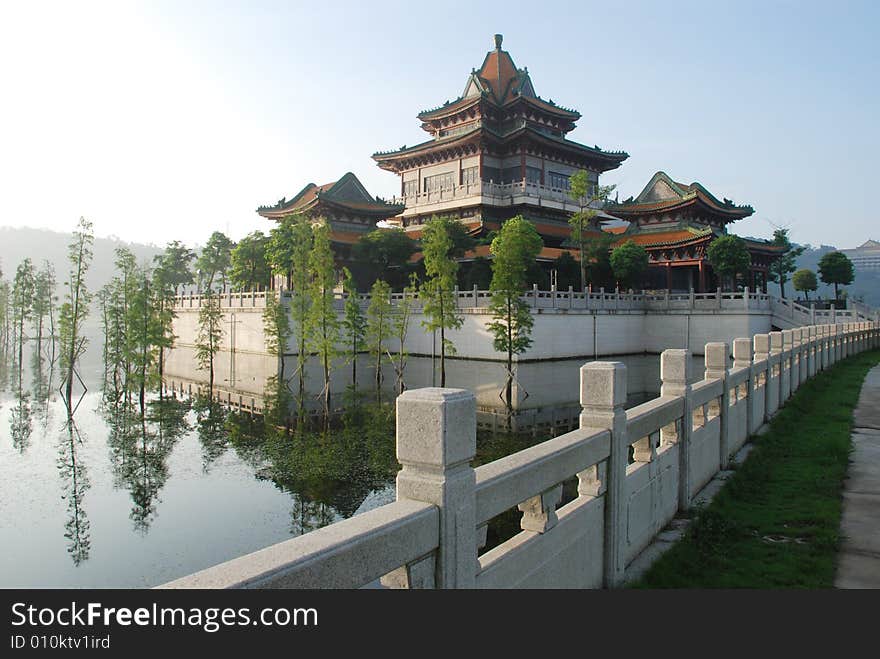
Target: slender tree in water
{"points": [[209, 335], [75, 309], [171, 272], [277, 329], [515, 248], [378, 326], [322, 322], [145, 333], [400, 328], [5, 314], [44, 305], [354, 324], [22, 307], [214, 262], [438, 290]]}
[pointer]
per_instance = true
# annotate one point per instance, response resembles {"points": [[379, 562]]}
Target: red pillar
{"points": [[668, 276], [702, 278]]}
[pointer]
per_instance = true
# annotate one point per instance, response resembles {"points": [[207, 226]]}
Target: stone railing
{"points": [[432, 535], [499, 192]]}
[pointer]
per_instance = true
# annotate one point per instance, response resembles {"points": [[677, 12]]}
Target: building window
{"points": [[511, 174], [410, 188], [492, 174], [533, 175], [470, 175], [560, 181], [440, 182]]}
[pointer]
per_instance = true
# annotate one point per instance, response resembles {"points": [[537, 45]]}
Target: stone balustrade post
{"points": [[826, 343], [718, 296], [746, 297], [534, 295], [812, 313], [761, 344], [776, 352], [811, 334], [716, 355], [436, 441], [742, 358], [795, 379], [675, 367], [603, 395], [785, 381]]}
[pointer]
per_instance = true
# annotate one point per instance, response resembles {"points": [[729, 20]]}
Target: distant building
{"points": [[496, 151], [676, 223], [866, 256]]}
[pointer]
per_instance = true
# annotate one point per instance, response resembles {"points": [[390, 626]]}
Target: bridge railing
{"points": [[627, 472]]}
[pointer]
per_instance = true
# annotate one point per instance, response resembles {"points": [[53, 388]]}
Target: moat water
{"points": [[120, 500]]}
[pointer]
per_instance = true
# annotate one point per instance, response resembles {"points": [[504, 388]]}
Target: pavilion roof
{"points": [[348, 192]]}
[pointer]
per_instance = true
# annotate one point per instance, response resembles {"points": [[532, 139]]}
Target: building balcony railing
{"points": [[501, 194]]}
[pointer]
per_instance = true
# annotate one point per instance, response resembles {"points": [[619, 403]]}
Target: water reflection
{"points": [[75, 484]]}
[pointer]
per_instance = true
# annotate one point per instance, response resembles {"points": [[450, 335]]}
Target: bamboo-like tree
{"points": [[22, 307], [586, 234], [322, 322], [209, 335], [146, 333], [75, 309], [400, 320], [438, 290], [354, 324], [171, 271], [44, 304], [277, 329], [249, 270], [297, 235], [515, 248], [378, 326], [214, 261]]}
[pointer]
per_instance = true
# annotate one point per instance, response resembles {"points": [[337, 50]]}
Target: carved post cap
{"points": [[675, 366], [762, 344], [603, 384], [742, 352], [776, 341], [436, 427], [716, 356]]}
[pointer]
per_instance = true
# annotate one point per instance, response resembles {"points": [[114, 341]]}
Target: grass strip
{"points": [[776, 522]]}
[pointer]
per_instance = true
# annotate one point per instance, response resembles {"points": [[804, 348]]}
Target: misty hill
{"points": [[41, 245], [865, 286]]}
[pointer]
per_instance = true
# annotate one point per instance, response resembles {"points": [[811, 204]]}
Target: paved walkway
{"points": [[859, 564]]}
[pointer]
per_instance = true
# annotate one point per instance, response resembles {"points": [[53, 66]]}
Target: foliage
{"points": [[209, 335], [836, 268], [321, 322], [22, 304], [805, 280], [354, 324], [567, 271], [249, 269], [477, 273], [515, 247], [75, 309], [171, 269], [288, 247], [437, 293], [628, 261], [214, 261], [729, 256], [782, 267], [44, 300], [586, 234], [400, 328], [378, 325], [384, 252], [298, 231]]}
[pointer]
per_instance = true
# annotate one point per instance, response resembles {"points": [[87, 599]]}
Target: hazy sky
{"points": [[167, 120]]}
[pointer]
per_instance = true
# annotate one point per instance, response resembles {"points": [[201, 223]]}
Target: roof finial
{"points": [[498, 39]]}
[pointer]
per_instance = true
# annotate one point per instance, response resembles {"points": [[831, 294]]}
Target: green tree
{"points": [[249, 269], [209, 335], [22, 307], [295, 267], [729, 256], [354, 324], [214, 261], [44, 303], [378, 325], [567, 271], [628, 261], [836, 268], [784, 265], [586, 234], [323, 324], [400, 328], [145, 332], [285, 246], [382, 252], [805, 280], [171, 271], [515, 247], [75, 309], [438, 290], [277, 329]]}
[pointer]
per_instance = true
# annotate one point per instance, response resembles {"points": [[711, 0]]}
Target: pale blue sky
{"points": [[165, 120]]}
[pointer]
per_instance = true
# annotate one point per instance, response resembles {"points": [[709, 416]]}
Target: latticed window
{"points": [[440, 182], [533, 175], [410, 188], [470, 175], [561, 181]]}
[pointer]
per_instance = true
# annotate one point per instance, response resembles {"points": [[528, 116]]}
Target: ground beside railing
{"points": [[776, 522]]}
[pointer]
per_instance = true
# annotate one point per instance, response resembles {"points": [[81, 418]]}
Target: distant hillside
{"points": [[865, 286], [41, 245]]}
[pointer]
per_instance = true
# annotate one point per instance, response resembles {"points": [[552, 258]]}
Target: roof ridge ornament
{"points": [[498, 39]]}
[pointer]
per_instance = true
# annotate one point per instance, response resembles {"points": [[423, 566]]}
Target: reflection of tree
{"points": [[211, 423], [42, 387], [139, 448], [75, 483], [20, 423], [328, 474]]}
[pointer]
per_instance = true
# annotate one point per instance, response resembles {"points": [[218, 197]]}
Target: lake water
{"points": [[116, 501]]}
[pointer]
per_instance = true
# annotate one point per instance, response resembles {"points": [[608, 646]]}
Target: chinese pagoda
{"points": [[675, 223], [497, 151], [344, 204]]}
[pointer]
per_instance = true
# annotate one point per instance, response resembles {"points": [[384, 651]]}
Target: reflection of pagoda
{"points": [[675, 223], [345, 204], [497, 151]]}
